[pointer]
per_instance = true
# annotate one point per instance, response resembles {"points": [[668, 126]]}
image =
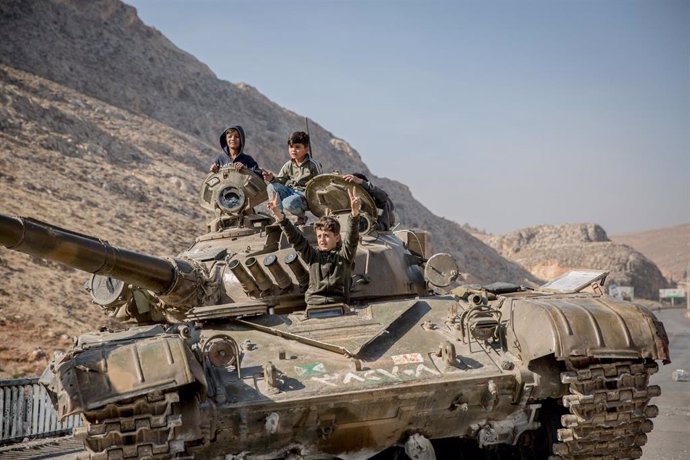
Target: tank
{"points": [[219, 357]]}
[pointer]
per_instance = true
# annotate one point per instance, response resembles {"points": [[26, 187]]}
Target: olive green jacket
{"points": [[296, 176], [329, 271]]}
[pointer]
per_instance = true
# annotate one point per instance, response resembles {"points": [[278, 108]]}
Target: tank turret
{"points": [[242, 266]]}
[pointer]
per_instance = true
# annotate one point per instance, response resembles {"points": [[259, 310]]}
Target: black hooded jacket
{"points": [[246, 160]]}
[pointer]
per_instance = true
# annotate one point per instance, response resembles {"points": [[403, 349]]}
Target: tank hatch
{"points": [[327, 194], [441, 270]]}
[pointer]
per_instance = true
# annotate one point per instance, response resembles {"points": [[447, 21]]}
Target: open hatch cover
{"points": [[574, 281]]}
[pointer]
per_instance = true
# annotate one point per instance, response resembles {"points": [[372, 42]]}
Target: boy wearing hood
{"points": [[232, 143], [330, 262], [291, 181]]}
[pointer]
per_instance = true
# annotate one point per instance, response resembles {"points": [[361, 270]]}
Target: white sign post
{"points": [[672, 294]]}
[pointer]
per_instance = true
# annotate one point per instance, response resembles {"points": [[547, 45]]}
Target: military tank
{"points": [[221, 358]]}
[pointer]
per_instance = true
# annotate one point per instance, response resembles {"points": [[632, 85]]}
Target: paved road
{"points": [[670, 439]]}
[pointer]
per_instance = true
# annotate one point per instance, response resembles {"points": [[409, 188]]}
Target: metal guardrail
{"points": [[27, 412]]}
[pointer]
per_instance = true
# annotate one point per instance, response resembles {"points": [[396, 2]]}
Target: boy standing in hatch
{"points": [[330, 263], [292, 179]]}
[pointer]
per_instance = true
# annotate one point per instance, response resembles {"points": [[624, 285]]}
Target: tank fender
{"points": [[95, 377], [571, 326]]}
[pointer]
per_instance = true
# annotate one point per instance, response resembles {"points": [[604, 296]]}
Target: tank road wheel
{"points": [[538, 444], [608, 410], [147, 427]]}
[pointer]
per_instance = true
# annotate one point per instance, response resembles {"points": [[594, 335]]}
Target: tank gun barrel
{"points": [[86, 253]]}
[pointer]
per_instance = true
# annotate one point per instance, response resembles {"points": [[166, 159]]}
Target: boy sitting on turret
{"points": [[291, 181], [232, 143], [330, 264]]}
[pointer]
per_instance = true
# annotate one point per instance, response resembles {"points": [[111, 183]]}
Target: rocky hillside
{"points": [[669, 248], [87, 166], [102, 49], [550, 250]]}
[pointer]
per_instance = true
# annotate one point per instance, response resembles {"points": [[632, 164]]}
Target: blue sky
{"points": [[501, 114]]}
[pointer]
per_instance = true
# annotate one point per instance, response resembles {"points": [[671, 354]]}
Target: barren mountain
{"points": [[107, 128], [550, 250], [84, 165], [102, 49], [669, 248]]}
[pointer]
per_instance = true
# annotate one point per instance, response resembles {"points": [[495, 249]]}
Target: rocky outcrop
{"points": [[550, 250], [669, 248]]}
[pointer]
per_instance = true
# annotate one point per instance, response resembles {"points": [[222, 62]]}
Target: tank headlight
{"points": [[222, 351], [106, 291]]}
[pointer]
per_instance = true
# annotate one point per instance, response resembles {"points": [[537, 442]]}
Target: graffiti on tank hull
{"points": [[317, 373]]}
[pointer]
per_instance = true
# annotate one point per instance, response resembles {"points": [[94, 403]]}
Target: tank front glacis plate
{"points": [[364, 422], [290, 392]]}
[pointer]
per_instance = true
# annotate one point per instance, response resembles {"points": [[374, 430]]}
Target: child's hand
{"points": [[351, 178], [273, 206], [237, 165], [268, 175], [355, 202]]}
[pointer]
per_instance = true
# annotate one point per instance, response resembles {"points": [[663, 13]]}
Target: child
{"points": [[386, 220], [232, 143], [292, 179], [330, 264]]}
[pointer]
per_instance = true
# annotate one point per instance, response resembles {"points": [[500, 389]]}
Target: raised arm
{"points": [[349, 248], [294, 236], [273, 206], [355, 202]]}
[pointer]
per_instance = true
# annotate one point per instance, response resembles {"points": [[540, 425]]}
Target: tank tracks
{"points": [[609, 411], [142, 428]]}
